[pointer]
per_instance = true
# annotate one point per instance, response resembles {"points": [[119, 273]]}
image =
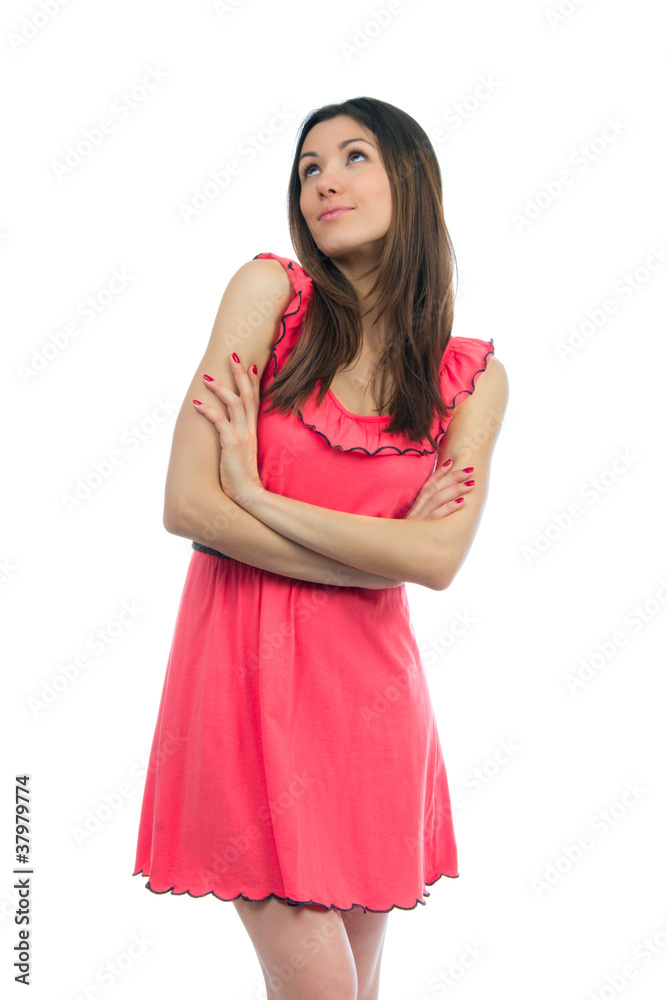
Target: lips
{"points": [[333, 213]]}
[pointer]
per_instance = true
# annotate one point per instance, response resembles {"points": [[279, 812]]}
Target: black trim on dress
{"points": [[293, 902]]}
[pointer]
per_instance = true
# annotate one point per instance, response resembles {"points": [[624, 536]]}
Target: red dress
{"points": [[296, 752]]}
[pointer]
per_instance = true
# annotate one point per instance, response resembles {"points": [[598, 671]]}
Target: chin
{"points": [[342, 249]]}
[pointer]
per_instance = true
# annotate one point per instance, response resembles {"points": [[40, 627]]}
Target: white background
{"points": [[539, 609]]}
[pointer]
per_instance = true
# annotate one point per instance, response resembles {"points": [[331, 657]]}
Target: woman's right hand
{"points": [[437, 497]]}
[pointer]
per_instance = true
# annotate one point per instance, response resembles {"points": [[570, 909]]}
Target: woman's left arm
{"points": [[429, 552]]}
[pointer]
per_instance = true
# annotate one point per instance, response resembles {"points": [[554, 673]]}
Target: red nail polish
{"points": [[236, 358], [448, 462], [469, 482], [471, 469], [254, 369], [197, 402], [460, 500], [208, 378]]}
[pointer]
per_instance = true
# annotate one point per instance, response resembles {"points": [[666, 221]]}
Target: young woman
{"points": [[334, 444]]}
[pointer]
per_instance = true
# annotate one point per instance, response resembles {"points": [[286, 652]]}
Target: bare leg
{"points": [[366, 933], [304, 951]]}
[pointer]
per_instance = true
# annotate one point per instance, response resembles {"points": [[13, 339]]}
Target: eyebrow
{"points": [[341, 145]]}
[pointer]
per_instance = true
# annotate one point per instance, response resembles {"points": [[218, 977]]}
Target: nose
{"points": [[327, 182]]}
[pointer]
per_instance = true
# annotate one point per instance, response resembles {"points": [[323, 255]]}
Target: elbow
{"points": [[199, 518], [436, 580], [174, 521], [445, 566], [441, 577]]}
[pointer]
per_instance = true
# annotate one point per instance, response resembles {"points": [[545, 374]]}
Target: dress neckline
{"points": [[463, 360], [357, 416]]}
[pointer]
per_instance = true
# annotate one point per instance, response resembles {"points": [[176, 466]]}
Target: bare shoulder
{"points": [[254, 299], [266, 281], [494, 379], [247, 321], [476, 419], [490, 391]]}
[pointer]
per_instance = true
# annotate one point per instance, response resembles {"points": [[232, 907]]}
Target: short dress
{"points": [[296, 752]]}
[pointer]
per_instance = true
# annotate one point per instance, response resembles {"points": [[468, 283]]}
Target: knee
{"points": [[322, 987], [343, 989]]}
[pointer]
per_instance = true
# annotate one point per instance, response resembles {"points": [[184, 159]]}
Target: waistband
{"points": [[205, 548]]}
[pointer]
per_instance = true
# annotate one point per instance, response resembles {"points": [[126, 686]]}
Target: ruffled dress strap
{"points": [[292, 319], [465, 358]]}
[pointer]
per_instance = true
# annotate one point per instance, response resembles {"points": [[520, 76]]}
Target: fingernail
{"points": [[471, 469], [208, 378], [460, 500], [449, 462], [254, 369], [469, 482], [236, 358], [197, 402]]}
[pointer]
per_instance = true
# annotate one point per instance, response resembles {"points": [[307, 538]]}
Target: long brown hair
{"points": [[413, 281]]}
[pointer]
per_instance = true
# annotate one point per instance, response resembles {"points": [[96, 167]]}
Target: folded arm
{"points": [[195, 506], [215, 520], [428, 552]]}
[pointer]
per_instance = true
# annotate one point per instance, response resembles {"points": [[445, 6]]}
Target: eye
{"points": [[352, 152]]}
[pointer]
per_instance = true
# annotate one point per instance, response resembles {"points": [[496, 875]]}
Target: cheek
{"points": [[384, 203], [382, 191], [303, 206]]}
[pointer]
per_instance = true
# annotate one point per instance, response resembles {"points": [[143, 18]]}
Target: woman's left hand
{"points": [[237, 427]]}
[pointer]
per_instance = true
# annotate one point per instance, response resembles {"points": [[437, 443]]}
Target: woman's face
{"points": [[353, 176]]}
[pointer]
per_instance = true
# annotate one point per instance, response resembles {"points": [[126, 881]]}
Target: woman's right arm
{"points": [[247, 322]]}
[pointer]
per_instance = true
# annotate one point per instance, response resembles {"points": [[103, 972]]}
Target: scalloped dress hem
{"points": [[293, 902]]}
